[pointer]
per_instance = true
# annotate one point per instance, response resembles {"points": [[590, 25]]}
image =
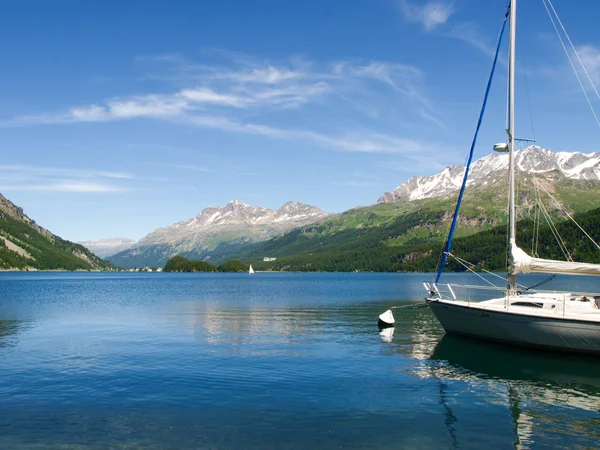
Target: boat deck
{"points": [[548, 304]]}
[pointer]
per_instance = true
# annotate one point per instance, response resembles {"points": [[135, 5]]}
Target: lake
{"points": [[270, 360]]}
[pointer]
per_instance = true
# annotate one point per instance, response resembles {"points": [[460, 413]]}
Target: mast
{"points": [[512, 231]]}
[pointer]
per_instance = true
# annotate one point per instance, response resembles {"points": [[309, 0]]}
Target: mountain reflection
{"points": [[8, 332]]}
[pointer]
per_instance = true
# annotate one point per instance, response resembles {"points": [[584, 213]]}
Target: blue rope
{"points": [[468, 166]]}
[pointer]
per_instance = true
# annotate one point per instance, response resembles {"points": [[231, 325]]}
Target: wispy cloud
{"points": [[63, 187], [590, 58], [223, 97], [191, 167], [434, 16], [38, 170], [36, 178], [430, 15], [471, 34], [353, 142]]}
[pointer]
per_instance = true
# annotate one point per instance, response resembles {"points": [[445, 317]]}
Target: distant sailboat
{"points": [[250, 270]]}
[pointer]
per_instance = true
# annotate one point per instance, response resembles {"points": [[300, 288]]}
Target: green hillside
{"points": [[410, 235], [25, 245], [388, 235], [486, 249]]}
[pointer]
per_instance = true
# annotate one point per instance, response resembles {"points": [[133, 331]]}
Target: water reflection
{"points": [[545, 394], [387, 334], [571, 378], [8, 332]]}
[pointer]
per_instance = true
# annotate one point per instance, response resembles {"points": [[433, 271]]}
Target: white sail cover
{"points": [[523, 263]]}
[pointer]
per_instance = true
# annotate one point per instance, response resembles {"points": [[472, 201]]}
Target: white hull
{"points": [[565, 334]]}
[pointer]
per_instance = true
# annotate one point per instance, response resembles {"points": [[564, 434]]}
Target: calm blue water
{"points": [[268, 361]]}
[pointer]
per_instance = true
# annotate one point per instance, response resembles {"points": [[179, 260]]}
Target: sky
{"points": [[119, 117]]}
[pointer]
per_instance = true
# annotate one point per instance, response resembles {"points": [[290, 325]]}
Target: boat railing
{"points": [[453, 291], [477, 293]]}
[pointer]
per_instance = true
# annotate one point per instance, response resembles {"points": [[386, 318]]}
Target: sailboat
{"points": [[558, 321], [250, 270]]}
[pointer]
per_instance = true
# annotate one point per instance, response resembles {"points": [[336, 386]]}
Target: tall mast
{"points": [[512, 231]]}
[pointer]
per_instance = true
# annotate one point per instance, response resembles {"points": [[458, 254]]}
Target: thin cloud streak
{"points": [[370, 143], [51, 179], [471, 34], [191, 167], [218, 105], [37, 170], [66, 186]]}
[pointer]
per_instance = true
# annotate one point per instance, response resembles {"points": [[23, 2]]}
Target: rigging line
{"points": [[537, 232], [556, 234], [571, 62], [469, 266], [533, 235], [573, 47], [533, 231], [535, 238], [464, 183], [562, 208], [550, 278]]}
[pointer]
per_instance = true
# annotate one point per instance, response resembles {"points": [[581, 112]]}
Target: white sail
{"points": [[523, 263], [251, 270]]}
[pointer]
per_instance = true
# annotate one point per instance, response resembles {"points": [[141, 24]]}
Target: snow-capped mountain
{"points": [[251, 222], [233, 224], [108, 247], [489, 169]]}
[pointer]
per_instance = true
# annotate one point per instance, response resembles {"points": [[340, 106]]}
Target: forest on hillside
{"points": [[485, 250]]}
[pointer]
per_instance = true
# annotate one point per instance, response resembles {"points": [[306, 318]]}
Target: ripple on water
{"points": [[273, 361]]}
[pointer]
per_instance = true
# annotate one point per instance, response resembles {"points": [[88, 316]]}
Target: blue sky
{"points": [[120, 117]]}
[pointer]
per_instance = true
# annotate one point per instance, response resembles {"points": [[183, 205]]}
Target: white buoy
{"points": [[386, 318]]}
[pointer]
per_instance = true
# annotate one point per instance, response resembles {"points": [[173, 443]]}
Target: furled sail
{"points": [[523, 263]]}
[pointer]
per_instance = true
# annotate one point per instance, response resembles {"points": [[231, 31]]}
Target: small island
{"points": [[181, 264]]}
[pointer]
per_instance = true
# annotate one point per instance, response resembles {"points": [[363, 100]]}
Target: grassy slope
{"points": [[405, 232], [390, 227], [49, 252]]}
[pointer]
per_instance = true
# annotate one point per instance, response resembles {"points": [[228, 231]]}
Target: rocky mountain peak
{"points": [[234, 204], [533, 159], [16, 212], [237, 218]]}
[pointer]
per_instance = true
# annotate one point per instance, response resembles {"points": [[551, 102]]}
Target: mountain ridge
{"points": [[533, 159], [236, 224], [104, 248], [418, 213], [25, 245]]}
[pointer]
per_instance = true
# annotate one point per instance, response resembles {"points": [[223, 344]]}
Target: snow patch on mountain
{"points": [[244, 222], [485, 171]]}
